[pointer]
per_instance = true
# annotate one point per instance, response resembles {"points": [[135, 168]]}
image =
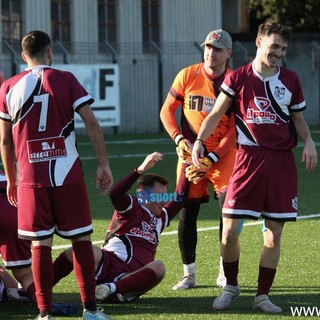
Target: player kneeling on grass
{"points": [[125, 265]]}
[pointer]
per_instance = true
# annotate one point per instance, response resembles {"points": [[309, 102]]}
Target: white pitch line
{"points": [[248, 224], [141, 141], [144, 141], [130, 155], [160, 140], [137, 141]]}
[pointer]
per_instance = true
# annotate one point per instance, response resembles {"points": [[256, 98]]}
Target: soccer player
{"points": [[15, 252], [16, 256], [125, 265], [195, 88], [269, 104], [37, 110]]}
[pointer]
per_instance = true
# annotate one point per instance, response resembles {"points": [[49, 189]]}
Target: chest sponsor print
{"points": [[261, 114], [147, 231], [46, 149]]}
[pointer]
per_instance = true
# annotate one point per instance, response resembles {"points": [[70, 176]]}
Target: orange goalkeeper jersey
{"points": [[196, 92]]}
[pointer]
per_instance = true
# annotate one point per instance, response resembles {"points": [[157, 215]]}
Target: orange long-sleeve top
{"points": [[196, 92]]}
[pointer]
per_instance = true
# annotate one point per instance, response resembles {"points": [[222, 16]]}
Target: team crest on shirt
{"points": [[279, 92]]}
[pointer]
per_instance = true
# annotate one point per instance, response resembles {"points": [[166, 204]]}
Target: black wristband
{"points": [[200, 140]]}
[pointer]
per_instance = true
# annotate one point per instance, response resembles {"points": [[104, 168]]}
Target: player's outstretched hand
{"points": [[104, 179], [197, 152], [150, 161]]}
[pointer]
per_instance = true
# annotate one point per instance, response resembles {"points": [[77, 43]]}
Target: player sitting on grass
{"points": [[125, 265]]}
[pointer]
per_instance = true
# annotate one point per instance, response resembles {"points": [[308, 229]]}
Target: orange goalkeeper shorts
{"points": [[217, 176]]}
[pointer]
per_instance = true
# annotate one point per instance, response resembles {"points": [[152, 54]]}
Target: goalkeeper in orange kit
{"points": [[195, 88]]}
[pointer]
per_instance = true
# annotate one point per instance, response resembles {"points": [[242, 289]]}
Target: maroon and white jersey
{"points": [[134, 232], [137, 233], [40, 102], [263, 106]]}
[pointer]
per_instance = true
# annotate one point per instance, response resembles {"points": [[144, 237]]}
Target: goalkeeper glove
{"points": [[184, 148], [195, 174]]}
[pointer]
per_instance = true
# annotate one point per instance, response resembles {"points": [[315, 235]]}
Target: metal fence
{"points": [[147, 72]]}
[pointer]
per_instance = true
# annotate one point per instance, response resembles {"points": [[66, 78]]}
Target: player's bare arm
{"points": [[149, 162], [7, 279], [7, 155], [222, 104], [309, 153], [104, 179]]}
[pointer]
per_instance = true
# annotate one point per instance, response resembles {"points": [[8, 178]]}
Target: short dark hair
{"points": [[35, 43], [272, 27], [147, 181]]}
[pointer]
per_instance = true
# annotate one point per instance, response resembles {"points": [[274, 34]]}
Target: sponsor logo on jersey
{"points": [[46, 149], [147, 232], [201, 103], [261, 114], [208, 104], [262, 103]]}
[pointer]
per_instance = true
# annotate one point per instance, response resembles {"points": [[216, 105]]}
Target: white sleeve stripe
{"points": [[5, 116], [228, 89], [129, 207], [299, 106], [167, 218], [81, 101]]}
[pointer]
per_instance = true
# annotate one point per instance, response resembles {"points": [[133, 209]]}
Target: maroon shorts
{"points": [[113, 268], [63, 210], [15, 252], [264, 182]]}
